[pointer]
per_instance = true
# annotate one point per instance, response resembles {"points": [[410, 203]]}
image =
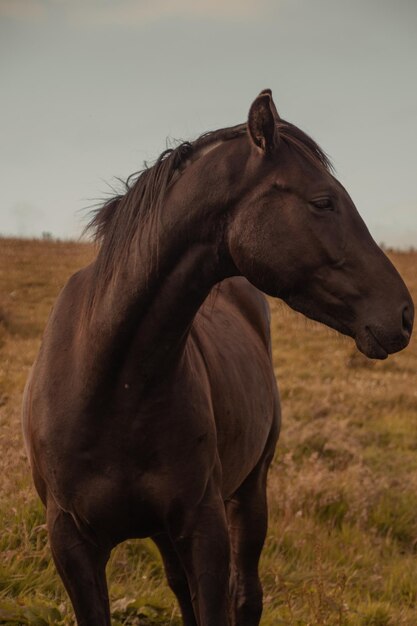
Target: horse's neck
{"points": [[144, 317], [147, 312], [178, 292]]}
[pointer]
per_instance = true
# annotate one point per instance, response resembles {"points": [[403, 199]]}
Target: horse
{"points": [[152, 408]]}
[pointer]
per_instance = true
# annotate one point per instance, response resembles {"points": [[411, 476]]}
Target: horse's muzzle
{"points": [[377, 341]]}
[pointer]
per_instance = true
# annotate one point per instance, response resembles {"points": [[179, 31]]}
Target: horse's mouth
{"points": [[369, 345]]}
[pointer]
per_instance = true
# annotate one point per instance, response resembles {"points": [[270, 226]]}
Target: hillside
{"points": [[342, 542]]}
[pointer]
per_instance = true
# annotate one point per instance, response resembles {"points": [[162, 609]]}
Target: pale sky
{"points": [[91, 88]]}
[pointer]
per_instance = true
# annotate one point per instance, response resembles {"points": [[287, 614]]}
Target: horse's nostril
{"points": [[407, 319]]}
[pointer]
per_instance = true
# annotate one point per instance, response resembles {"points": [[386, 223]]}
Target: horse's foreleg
{"points": [[202, 542], [81, 566], [176, 577], [247, 517]]}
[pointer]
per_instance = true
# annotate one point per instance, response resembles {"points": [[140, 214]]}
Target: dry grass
{"points": [[342, 490]]}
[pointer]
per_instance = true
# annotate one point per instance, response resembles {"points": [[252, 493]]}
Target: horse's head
{"points": [[296, 234]]}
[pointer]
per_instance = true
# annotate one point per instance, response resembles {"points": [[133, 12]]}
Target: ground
{"points": [[342, 541]]}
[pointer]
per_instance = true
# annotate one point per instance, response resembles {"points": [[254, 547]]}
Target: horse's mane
{"points": [[117, 222]]}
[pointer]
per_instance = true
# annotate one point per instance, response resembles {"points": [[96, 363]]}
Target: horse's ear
{"points": [[262, 122]]}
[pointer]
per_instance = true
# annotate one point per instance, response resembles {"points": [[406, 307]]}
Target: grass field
{"points": [[342, 542]]}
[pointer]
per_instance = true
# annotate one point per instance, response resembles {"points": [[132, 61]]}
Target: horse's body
{"points": [[152, 408], [86, 477]]}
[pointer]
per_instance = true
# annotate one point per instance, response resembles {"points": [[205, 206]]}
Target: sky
{"points": [[90, 89]]}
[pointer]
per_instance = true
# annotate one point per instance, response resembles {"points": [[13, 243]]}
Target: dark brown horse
{"points": [[152, 409]]}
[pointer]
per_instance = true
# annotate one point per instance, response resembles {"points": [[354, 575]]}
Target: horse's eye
{"points": [[325, 204]]}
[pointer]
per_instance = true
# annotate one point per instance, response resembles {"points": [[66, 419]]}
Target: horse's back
{"points": [[232, 333], [243, 302]]}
